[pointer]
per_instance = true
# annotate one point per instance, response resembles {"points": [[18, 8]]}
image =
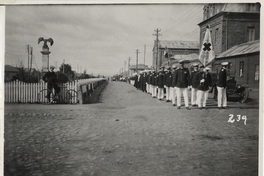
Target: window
{"points": [[256, 78], [241, 69], [251, 33], [216, 35]]}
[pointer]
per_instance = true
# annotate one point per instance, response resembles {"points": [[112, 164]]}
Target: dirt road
{"points": [[131, 134]]}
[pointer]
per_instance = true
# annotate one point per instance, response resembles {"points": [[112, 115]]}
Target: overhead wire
{"points": [[171, 24], [187, 18]]}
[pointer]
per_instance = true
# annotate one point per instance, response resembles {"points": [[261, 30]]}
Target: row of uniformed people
{"points": [[176, 83]]}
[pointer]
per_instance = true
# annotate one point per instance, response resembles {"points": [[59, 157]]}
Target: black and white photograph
{"points": [[131, 89]]}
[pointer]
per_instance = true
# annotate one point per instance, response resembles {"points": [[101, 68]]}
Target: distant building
{"points": [[174, 48], [134, 68], [190, 59], [11, 73]]}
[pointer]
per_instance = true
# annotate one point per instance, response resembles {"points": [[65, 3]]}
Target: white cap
{"points": [[181, 61], [207, 68], [224, 63]]}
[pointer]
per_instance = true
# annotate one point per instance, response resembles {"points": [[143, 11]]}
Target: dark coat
{"points": [[193, 81], [167, 79], [207, 80], [182, 77], [160, 80], [50, 78], [136, 81], [155, 80], [222, 78], [149, 78], [173, 79]]}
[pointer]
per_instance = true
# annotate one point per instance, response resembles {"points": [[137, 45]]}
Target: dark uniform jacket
{"points": [[50, 78], [207, 80], [222, 78], [149, 78], [136, 81], [193, 81], [182, 77], [173, 79], [155, 80], [160, 80], [167, 79]]}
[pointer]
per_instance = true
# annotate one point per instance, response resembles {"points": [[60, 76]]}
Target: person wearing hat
{"points": [[182, 81], [150, 81], [153, 85], [204, 80], [136, 81], [160, 84], [221, 87], [147, 79], [194, 84], [51, 79], [173, 85], [167, 81]]}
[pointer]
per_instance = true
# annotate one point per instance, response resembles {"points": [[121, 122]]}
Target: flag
{"points": [[206, 53], [166, 53]]}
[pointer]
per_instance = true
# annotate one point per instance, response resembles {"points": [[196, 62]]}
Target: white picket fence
{"points": [[21, 92]]}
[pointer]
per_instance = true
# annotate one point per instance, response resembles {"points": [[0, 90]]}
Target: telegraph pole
{"points": [[63, 65], [125, 67], [157, 34], [144, 56], [137, 52], [128, 65]]}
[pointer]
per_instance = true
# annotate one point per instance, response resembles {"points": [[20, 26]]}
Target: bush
{"points": [[62, 77]]}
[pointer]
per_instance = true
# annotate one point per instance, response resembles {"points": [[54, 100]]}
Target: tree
{"points": [[62, 77], [67, 69]]}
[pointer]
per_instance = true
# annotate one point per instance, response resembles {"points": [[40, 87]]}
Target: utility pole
{"points": [[63, 65], [125, 68], [31, 55], [128, 65], [144, 56], [137, 52], [28, 50], [157, 34]]}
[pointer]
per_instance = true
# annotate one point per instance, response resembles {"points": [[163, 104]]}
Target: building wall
{"points": [[238, 25], [248, 77], [230, 29]]}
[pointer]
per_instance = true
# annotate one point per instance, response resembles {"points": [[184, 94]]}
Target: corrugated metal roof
{"points": [[245, 48], [179, 44], [10, 68]]}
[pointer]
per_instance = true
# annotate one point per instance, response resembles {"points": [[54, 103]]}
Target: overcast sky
{"points": [[98, 38]]}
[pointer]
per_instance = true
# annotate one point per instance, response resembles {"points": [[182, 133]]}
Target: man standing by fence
{"points": [[51, 78]]}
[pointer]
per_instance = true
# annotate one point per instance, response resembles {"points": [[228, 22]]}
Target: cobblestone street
{"points": [[128, 133]]}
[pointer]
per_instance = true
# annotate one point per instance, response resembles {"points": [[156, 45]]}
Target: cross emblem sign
{"points": [[207, 46]]}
